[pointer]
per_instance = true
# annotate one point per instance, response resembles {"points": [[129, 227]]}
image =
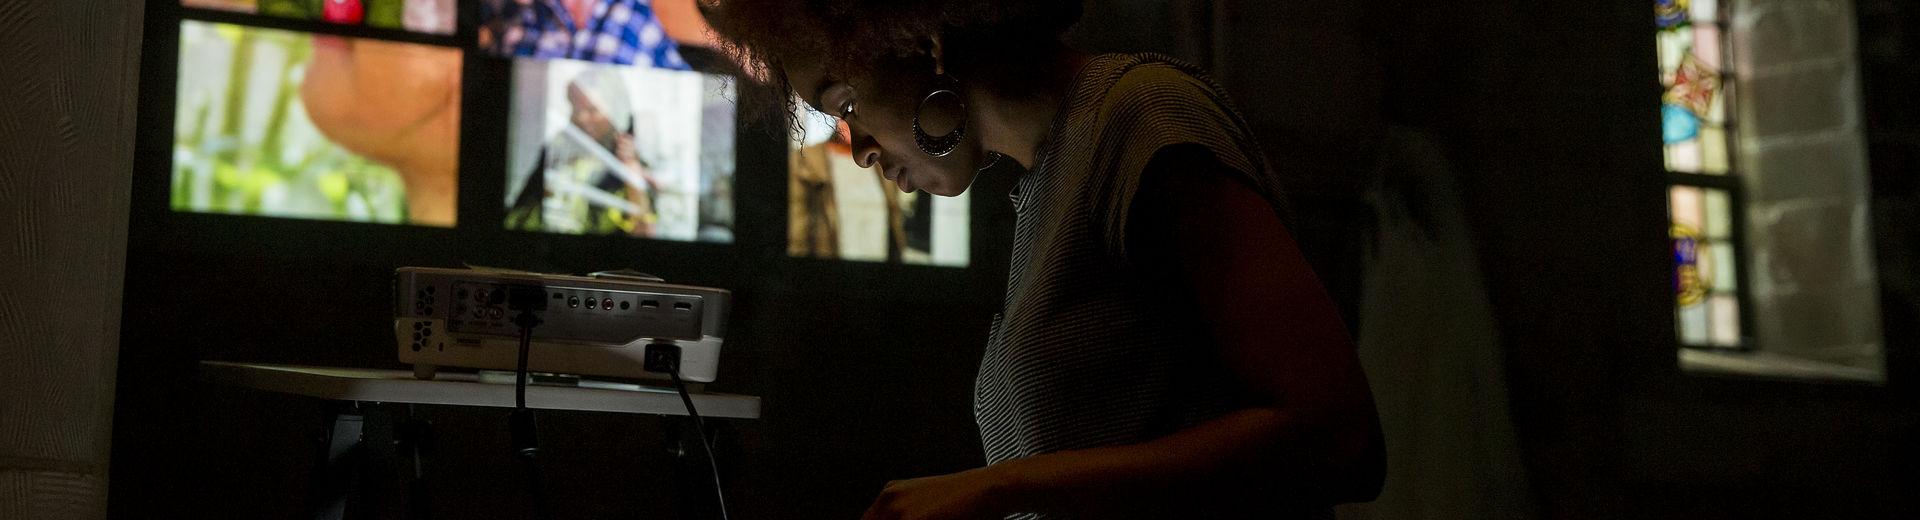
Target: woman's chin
{"points": [[943, 190]]}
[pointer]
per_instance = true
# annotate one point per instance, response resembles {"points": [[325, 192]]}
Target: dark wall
{"points": [[1542, 108]]}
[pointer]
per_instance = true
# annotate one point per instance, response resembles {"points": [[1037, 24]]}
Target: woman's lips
{"points": [[905, 183], [899, 178]]}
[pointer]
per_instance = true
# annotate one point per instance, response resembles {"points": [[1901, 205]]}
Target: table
{"points": [[449, 388], [350, 427]]}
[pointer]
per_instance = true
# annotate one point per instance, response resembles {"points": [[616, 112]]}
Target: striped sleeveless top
{"points": [[1080, 356]]}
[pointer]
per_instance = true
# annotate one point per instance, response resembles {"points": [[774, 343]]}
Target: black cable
{"points": [[705, 444], [527, 321], [532, 469], [521, 426]]}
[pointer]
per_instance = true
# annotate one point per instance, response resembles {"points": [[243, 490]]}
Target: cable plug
{"points": [[524, 433], [662, 358]]}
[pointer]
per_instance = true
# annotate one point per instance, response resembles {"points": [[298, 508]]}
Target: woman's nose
{"points": [[866, 150]]}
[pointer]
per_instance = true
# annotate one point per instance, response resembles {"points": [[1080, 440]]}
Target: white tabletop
{"points": [[399, 386]]}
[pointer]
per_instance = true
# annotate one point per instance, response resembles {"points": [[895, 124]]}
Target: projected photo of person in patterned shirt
{"points": [[621, 32]]}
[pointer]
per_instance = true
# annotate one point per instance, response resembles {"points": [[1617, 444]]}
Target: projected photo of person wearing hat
{"points": [[612, 150], [593, 179]]}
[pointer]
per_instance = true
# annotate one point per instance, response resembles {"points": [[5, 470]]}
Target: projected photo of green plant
{"points": [[287, 124]]}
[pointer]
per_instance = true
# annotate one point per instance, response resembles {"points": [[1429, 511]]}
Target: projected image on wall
{"points": [[617, 150], [424, 16], [288, 124], [838, 210]]}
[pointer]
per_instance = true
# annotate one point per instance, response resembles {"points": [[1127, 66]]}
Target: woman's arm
{"points": [[1311, 434]]}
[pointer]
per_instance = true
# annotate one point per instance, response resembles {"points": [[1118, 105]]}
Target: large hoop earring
{"points": [[941, 145]]}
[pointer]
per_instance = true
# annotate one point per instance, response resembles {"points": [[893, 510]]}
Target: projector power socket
{"points": [[663, 358]]}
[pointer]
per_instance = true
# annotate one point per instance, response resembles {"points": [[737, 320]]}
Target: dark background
{"points": [[1546, 109]]}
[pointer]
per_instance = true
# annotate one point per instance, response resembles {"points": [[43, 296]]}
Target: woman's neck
{"points": [[1015, 121]]}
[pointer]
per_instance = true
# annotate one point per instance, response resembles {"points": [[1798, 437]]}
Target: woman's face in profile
{"points": [[878, 105]]}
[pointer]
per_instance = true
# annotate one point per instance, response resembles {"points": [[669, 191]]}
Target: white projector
{"points": [[589, 326]]}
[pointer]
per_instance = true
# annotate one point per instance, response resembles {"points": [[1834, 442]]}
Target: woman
{"points": [[1165, 352]]}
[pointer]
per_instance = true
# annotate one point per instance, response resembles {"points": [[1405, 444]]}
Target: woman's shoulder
{"points": [[1151, 102], [1153, 97], [1164, 113], [1136, 81]]}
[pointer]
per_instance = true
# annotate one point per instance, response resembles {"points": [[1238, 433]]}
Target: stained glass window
{"points": [[1706, 275], [1693, 109], [1767, 189], [1695, 95]]}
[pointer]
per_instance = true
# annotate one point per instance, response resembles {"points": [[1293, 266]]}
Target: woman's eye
{"points": [[846, 109]]}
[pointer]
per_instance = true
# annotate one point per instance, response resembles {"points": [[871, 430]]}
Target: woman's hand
{"points": [[967, 495]]}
